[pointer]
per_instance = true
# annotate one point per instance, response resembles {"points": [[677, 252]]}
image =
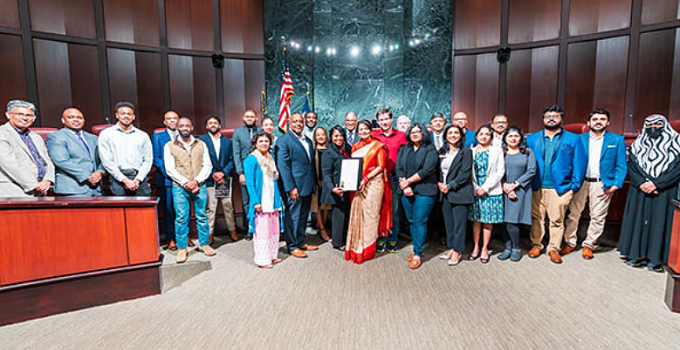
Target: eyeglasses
{"points": [[552, 116], [24, 115], [416, 132]]}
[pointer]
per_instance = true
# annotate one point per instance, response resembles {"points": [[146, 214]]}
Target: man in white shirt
{"points": [[126, 154], [605, 173], [310, 124], [187, 163]]}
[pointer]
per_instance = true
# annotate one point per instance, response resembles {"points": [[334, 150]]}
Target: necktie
{"points": [[351, 139], [80, 137], [437, 142]]}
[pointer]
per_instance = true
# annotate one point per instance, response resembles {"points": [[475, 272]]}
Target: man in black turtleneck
{"points": [[241, 141]]}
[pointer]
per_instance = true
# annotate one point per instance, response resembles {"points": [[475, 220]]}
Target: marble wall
{"points": [[362, 55]]}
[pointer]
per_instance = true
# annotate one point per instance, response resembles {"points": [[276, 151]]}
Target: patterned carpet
{"points": [[323, 302]]}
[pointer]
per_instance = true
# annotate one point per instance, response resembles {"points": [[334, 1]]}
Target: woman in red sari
{"points": [[371, 211]]}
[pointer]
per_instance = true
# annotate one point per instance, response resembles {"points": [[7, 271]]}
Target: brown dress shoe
{"points": [[588, 253], [414, 264], [190, 242], [567, 249], [555, 257], [233, 235], [172, 246], [410, 257], [309, 247], [534, 253], [298, 253], [211, 239]]}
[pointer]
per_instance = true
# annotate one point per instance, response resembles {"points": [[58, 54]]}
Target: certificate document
{"points": [[350, 174]]}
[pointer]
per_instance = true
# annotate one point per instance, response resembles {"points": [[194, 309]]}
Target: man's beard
{"points": [[553, 127], [185, 134]]}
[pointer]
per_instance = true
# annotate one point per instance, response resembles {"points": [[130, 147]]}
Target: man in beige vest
{"points": [[188, 165]]}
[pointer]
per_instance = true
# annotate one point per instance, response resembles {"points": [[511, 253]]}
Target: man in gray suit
{"points": [[25, 167], [241, 141], [75, 155]]}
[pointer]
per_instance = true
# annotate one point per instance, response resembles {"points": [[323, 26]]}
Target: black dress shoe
{"points": [[249, 237]]}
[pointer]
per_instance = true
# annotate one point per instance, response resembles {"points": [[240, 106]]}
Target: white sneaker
{"points": [[310, 231]]}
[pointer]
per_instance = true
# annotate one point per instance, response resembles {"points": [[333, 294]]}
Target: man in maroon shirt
{"points": [[393, 139]]}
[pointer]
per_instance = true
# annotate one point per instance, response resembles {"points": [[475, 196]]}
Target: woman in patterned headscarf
{"points": [[654, 172]]}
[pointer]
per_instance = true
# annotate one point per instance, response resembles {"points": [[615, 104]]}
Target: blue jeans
{"points": [[417, 209], [394, 232], [182, 201]]}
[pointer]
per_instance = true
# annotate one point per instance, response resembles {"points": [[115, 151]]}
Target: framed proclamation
{"points": [[350, 173]]}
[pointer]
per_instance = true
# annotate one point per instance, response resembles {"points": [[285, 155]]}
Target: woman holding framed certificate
{"points": [[371, 210]]}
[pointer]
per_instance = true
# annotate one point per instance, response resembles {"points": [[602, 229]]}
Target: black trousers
{"points": [[339, 221], [455, 220]]}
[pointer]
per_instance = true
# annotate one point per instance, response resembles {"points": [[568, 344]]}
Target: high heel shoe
{"points": [[473, 257], [324, 235]]}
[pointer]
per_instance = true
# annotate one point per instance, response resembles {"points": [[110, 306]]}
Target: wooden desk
{"points": [[60, 254]]}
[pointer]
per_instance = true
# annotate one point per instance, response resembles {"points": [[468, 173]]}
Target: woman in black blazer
{"points": [[331, 193], [455, 176], [417, 172]]}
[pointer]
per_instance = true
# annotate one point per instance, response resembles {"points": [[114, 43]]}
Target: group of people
{"points": [[495, 178]]}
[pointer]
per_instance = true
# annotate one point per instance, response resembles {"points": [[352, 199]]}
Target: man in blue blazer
{"points": [[461, 119], [241, 145], [606, 169], [75, 156], [222, 159], [163, 182], [294, 158], [561, 166]]}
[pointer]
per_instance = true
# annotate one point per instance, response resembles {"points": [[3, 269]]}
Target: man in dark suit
{"points": [[437, 124], [560, 172], [298, 177], [351, 128], [75, 156], [606, 169], [222, 158], [241, 145], [163, 182]]}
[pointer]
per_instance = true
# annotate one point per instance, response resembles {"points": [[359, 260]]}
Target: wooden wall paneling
{"points": [[533, 20], [181, 84], [190, 24], [193, 88], [532, 86], [12, 69], [242, 26], [477, 24], [610, 80], [132, 21], [254, 84], [486, 86], [463, 89], [655, 11], [655, 73], [86, 82], [674, 109], [9, 16], [66, 17], [122, 78], [580, 81], [54, 80], [149, 88], [233, 76], [588, 16]]}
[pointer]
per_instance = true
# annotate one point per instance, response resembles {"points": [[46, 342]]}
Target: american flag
{"points": [[286, 94]]}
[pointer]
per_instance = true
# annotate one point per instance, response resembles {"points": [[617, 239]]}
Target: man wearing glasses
{"points": [[499, 123], [561, 168], [25, 167]]}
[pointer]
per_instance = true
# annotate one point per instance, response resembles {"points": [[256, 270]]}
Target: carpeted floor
{"points": [[324, 302]]}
